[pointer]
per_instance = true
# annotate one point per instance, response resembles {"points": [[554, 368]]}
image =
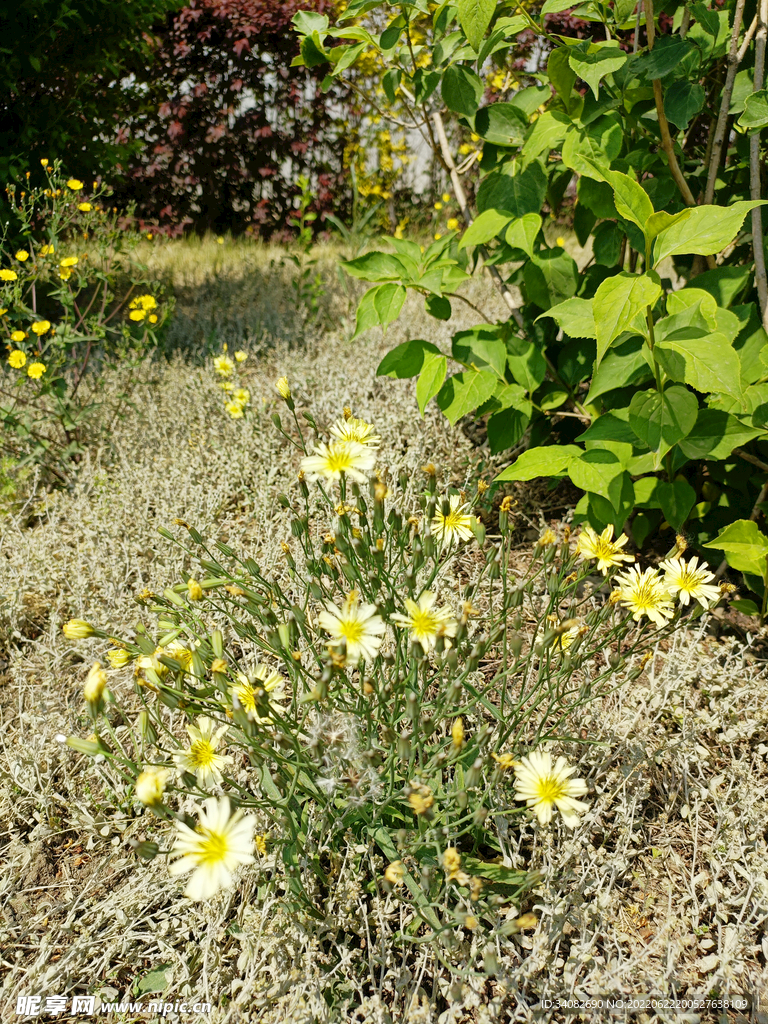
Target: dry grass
{"points": [[661, 890]]}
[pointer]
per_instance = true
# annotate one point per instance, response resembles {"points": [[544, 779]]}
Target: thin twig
{"points": [[751, 458], [758, 246], [722, 117]]}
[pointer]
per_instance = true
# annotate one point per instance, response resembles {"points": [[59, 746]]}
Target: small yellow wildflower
{"points": [[95, 684], [36, 370], [150, 785], [560, 241], [452, 524], [17, 359], [241, 356], [41, 327], [505, 761], [438, 206], [8, 275], [604, 548], [394, 872], [75, 184], [84, 207], [43, 162], [543, 786], [22, 255], [446, 197], [646, 594], [235, 410], [223, 365], [457, 734], [282, 388], [453, 224], [18, 335], [47, 250], [77, 629], [195, 590]]}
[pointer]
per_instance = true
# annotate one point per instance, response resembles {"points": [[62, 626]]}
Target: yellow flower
{"points": [[226, 385], [44, 162], [604, 548], [241, 356], [137, 315], [17, 359], [544, 787], [214, 850], [150, 236], [242, 396], [252, 692], [457, 734], [47, 250], [74, 184], [152, 318], [77, 629], [421, 800], [446, 197], [350, 429], [453, 224], [452, 522], [645, 594], [84, 207], [22, 255], [200, 758], [282, 388], [394, 872], [69, 261], [352, 459], [41, 326], [95, 684], [235, 410], [260, 843], [438, 237], [355, 626], [195, 590], [18, 335], [688, 581], [8, 275], [223, 365], [220, 240], [452, 866], [505, 761], [36, 370], [145, 302], [560, 241], [438, 206], [150, 785], [65, 273], [426, 622], [3, 311], [118, 658]]}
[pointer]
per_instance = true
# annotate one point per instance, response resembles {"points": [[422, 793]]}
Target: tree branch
{"points": [[722, 117], [758, 245]]}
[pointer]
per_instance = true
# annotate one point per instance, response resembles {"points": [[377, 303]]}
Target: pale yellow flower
{"points": [[195, 590], [282, 388], [242, 396], [690, 580], [350, 458], [355, 626], [214, 850], [17, 359], [200, 758], [251, 692], [604, 548], [36, 370], [150, 785], [394, 872], [352, 429], [241, 356], [543, 787], [118, 657], [455, 524], [77, 629], [645, 594], [426, 622], [223, 365], [95, 684], [235, 410]]}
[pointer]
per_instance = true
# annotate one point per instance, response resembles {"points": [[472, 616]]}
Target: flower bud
{"points": [[118, 658], [77, 629], [195, 590], [95, 685]]}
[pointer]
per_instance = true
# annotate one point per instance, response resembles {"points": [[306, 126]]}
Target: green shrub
{"points": [[386, 694], [74, 300], [643, 374]]}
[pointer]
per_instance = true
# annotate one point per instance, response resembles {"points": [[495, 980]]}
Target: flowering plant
{"points": [[392, 693], [74, 298]]}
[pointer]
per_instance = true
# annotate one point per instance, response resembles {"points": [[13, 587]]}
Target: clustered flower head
{"points": [[544, 787], [350, 459], [453, 523], [200, 757], [214, 850], [603, 548], [141, 308], [356, 630]]}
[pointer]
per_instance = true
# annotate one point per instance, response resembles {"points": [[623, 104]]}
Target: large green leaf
{"points": [[745, 547], [486, 226], [575, 316], [682, 102], [715, 435], [563, 77], [465, 391], [474, 18], [388, 301], [547, 132], [622, 365], [462, 90], [631, 199], [507, 426], [665, 56], [481, 348], [705, 231], [407, 360], [617, 302], [503, 124], [707, 362], [526, 363], [598, 471], [536, 462], [430, 379], [595, 61], [550, 277], [676, 499], [661, 420], [522, 232], [589, 151], [755, 114], [518, 194], [377, 266]]}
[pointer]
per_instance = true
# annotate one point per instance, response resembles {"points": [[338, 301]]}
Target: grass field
{"points": [[661, 890]]}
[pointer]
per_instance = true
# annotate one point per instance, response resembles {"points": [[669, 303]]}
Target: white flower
{"points": [[214, 850], [200, 758], [355, 625], [426, 622], [331, 461], [688, 581], [543, 787]]}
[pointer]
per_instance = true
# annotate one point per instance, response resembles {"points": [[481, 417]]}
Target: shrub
{"points": [[641, 375], [389, 691], [74, 300]]}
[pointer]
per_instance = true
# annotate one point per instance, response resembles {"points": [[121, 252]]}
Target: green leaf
{"points": [[518, 194], [155, 981], [503, 124], [486, 226], [622, 365], [660, 421], [563, 77], [744, 546], [536, 462], [707, 362], [682, 101], [756, 111], [438, 306], [506, 427], [547, 133], [312, 51], [522, 232], [686, 298], [407, 360], [606, 243], [550, 277], [589, 151], [463, 392], [617, 302], [596, 471], [575, 316], [376, 266], [307, 22], [631, 199], [676, 500], [388, 302], [705, 231], [665, 56], [594, 63], [367, 315], [474, 18], [661, 220], [462, 90], [526, 363], [556, 6], [715, 435], [480, 347], [430, 379]]}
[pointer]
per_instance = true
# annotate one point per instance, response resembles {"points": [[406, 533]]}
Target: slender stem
{"points": [[722, 117], [758, 245]]}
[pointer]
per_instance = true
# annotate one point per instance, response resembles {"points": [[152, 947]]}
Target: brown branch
{"points": [[722, 117], [751, 458]]}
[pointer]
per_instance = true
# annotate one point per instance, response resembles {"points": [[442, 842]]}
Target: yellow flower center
{"points": [[605, 549], [646, 595], [690, 580], [339, 459], [424, 621], [454, 520], [351, 630], [213, 849], [550, 789], [247, 697], [201, 754]]}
